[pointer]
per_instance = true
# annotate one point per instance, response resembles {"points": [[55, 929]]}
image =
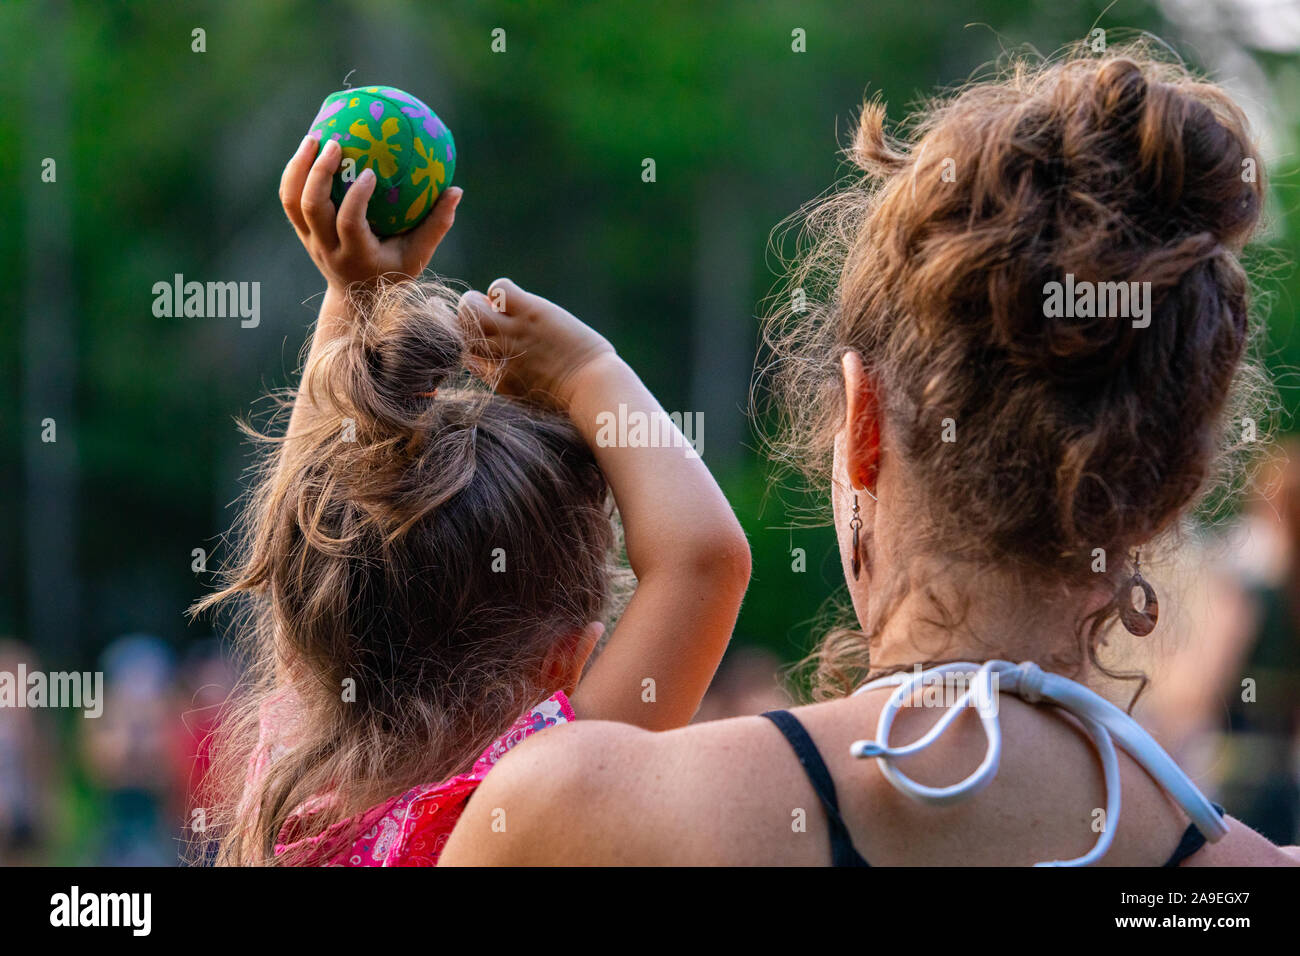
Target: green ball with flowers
{"points": [[395, 134]]}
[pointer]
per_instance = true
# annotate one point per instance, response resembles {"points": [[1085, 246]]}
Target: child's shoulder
{"points": [[556, 709], [412, 828]]}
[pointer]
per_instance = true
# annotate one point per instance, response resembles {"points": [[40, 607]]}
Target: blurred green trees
{"points": [[173, 158]]}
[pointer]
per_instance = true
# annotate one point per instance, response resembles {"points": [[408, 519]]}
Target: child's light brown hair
{"points": [[1071, 434], [374, 597]]}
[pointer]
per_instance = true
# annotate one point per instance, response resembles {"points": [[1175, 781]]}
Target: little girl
{"points": [[425, 564]]}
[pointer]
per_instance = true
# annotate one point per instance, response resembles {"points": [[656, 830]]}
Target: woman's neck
{"points": [[980, 617]]}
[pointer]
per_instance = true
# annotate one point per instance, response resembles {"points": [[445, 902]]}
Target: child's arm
{"points": [[685, 546], [345, 249]]}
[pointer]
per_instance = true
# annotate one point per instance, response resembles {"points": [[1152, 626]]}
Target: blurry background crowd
{"points": [[168, 146]]}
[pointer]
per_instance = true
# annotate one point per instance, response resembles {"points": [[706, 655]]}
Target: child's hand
{"points": [[537, 346], [345, 249]]}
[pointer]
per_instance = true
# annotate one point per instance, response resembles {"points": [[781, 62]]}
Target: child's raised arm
{"points": [[688, 552]]}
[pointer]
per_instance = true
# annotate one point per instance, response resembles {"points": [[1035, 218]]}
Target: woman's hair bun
{"points": [[1182, 144], [1128, 178]]}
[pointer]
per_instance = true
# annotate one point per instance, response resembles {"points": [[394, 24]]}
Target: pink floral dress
{"points": [[411, 829]]}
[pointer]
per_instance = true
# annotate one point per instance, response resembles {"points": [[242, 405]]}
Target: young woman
{"points": [[1007, 431]]}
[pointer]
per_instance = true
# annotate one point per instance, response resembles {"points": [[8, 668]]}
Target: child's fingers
{"points": [[486, 346], [477, 315], [509, 298], [423, 240], [317, 208], [292, 181], [354, 231]]}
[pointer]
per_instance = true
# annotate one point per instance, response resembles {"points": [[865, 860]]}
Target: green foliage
{"points": [[175, 157]]}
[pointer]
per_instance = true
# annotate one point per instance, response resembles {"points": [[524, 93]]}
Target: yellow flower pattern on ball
{"points": [[432, 170], [398, 138], [377, 152]]}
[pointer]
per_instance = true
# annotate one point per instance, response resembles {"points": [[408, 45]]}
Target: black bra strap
{"points": [[842, 850], [1193, 839]]}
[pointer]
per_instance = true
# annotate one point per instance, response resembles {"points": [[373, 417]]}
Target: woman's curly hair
{"points": [[1072, 434]]}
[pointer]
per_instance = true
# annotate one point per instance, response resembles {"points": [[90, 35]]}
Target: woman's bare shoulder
{"points": [[731, 792], [601, 793], [1242, 846]]}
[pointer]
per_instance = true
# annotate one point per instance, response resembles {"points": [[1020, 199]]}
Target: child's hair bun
{"points": [[406, 343], [410, 345]]}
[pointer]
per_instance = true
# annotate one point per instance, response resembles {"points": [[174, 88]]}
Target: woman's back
{"points": [[732, 792], [1045, 803]]}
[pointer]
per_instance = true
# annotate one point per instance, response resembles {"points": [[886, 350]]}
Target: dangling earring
{"points": [[1143, 622], [856, 525]]}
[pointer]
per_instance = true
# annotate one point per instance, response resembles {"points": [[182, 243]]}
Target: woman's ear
{"points": [[567, 658], [862, 424]]}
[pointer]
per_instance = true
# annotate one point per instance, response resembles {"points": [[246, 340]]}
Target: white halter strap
{"points": [[1100, 718]]}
